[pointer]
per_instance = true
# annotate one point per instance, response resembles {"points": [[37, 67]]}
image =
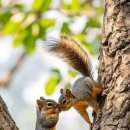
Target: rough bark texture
{"points": [[114, 71], [6, 122]]}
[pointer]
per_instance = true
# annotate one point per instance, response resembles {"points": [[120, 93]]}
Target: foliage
{"points": [[27, 25], [53, 81]]}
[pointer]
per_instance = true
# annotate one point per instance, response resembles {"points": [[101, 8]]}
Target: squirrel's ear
{"points": [[40, 104], [61, 90], [42, 99], [69, 93]]}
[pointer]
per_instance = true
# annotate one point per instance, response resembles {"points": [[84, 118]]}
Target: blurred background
{"points": [[27, 71]]}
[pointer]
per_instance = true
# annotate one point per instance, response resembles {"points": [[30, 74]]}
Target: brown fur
{"points": [[75, 55], [83, 94], [85, 89], [47, 116]]}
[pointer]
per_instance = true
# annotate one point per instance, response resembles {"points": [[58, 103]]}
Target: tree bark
{"points": [[114, 68], [6, 122]]}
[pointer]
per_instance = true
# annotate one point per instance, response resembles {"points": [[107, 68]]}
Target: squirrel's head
{"points": [[48, 109], [66, 99]]}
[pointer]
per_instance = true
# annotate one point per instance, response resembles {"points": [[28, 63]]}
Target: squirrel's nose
{"points": [[58, 108]]}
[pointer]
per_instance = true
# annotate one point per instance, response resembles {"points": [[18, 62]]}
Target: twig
{"points": [[7, 76]]}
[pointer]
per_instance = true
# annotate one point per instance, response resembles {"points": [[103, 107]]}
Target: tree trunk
{"points": [[6, 122], [114, 69]]}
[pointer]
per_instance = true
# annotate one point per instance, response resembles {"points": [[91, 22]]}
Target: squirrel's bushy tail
{"points": [[75, 55]]}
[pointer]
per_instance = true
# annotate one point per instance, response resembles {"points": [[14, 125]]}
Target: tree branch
{"points": [[7, 76], [6, 121]]}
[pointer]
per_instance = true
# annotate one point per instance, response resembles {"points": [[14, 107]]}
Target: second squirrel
{"points": [[47, 114], [85, 89]]}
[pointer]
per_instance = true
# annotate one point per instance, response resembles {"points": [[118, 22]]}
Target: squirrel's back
{"points": [[71, 51], [82, 87]]}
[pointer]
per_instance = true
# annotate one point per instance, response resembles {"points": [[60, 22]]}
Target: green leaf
{"points": [[46, 6], [4, 18], [90, 47], [29, 41], [35, 29], [46, 23], [51, 85], [19, 38], [72, 73], [41, 5], [65, 5], [65, 29], [75, 4], [43, 27], [56, 72], [93, 23], [53, 81], [67, 86], [30, 46], [20, 7], [81, 37], [37, 5], [11, 27], [100, 11], [42, 32], [0, 3]]}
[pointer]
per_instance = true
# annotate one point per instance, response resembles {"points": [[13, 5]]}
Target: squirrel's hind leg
{"points": [[94, 104], [82, 111]]}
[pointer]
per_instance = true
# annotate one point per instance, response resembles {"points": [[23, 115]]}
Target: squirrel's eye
{"points": [[49, 104], [64, 101]]}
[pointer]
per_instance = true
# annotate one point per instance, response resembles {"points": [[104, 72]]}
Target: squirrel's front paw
{"points": [[90, 126], [98, 116]]}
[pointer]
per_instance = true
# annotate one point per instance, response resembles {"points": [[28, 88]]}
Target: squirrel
{"points": [[85, 89], [47, 114]]}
